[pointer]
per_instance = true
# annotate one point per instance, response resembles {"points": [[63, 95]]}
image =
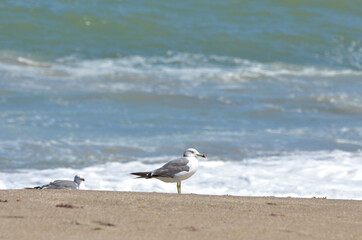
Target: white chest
{"points": [[193, 165], [81, 186]]}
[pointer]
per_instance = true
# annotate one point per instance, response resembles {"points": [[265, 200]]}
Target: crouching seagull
{"points": [[176, 170], [63, 184]]}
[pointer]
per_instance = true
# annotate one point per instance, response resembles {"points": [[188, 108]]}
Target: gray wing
{"points": [[171, 168], [61, 184]]}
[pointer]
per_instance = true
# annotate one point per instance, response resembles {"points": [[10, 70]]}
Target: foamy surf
{"points": [[186, 67], [335, 174]]}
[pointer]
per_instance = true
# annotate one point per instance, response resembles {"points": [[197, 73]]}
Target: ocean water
{"points": [[269, 91]]}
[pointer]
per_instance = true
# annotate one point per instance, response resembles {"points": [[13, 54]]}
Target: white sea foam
{"points": [[192, 68], [335, 174]]}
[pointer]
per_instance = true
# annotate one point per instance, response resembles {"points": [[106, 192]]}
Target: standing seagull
{"points": [[63, 184], [176, 170]]}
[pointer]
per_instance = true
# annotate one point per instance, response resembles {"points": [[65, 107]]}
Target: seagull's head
{"points": [[192, 152], [78, 179]]}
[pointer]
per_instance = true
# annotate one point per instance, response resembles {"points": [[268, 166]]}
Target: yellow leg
{"points": [[179, 187]]}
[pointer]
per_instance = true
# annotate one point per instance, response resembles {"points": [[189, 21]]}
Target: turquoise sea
{"points": [[270, 91]]}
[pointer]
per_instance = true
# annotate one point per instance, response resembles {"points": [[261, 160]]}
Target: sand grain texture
{"points": [[67, 214]]}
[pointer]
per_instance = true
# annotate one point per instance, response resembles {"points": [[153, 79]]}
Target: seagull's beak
{"points": [[82, 179], [201, 155]]}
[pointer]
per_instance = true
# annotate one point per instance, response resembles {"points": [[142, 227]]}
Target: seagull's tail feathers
{"points": [[143, 174]]}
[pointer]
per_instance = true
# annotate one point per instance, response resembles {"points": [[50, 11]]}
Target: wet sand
{"points": [[67, 214]]}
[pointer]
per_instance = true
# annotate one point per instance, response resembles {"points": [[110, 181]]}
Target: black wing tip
{"points": [[38, 187], [142, 174]]}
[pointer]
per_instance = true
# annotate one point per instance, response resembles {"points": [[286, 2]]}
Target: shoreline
{"points": [[72, 214]]}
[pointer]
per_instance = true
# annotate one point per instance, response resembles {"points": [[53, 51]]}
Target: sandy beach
{"points": [[58, 214]]}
